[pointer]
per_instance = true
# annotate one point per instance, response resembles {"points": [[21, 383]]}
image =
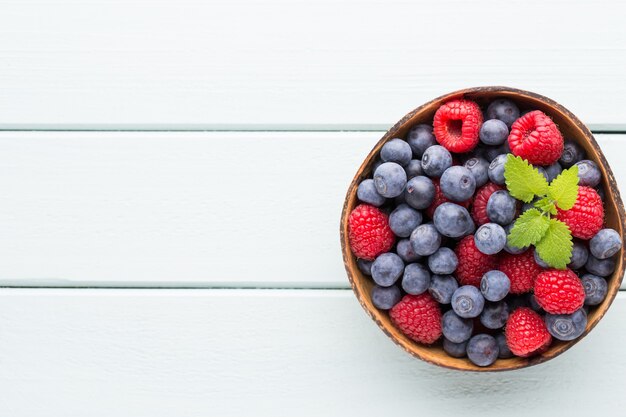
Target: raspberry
{"points": [[473, 264], [418, 317], [479, 206], [440, 199], [526, 333], [369, 232], [536, 138], [456, 125], [585, 219], [559, 292], [521, 269]]}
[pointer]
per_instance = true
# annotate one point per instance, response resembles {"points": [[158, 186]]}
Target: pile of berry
{"points": [[485, 235]]}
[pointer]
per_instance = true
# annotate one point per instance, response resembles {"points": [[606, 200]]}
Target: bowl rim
{"points": [[349, 259]]}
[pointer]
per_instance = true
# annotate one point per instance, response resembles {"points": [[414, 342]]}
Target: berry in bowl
{"points": [[484, 231]]}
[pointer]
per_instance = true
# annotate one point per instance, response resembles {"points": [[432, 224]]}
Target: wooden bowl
{"points": [[572, 129]]}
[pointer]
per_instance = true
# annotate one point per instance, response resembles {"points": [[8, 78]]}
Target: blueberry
{"points": [[494, 132], [416, 279], [390, 179], [588, 173], [367, 193], [572, 153], [495, 285], [504, 351], [458, 183], [503, 109], [396, 150], [385, 298], [425, 239], [540, 261], [436, 160], [501, 207], [365, 266], [386, 269], [595, 289], [482, 350], [456, 350], [567, 326], [528, 206], [492, 152], [420, 138], [494, 315], [442, 287], [542, 172], [399, 200], [601, 193], [511, 249], [453, 220], [419, 192], [490, 238], [606, 243], [600, 267], [468, 302], [456, 329], [444, 261], [404, 219], [553, 171], [376, 164], [404, 249], [478, 167], [496, 169], [414, 168], [533, 304], [580, 254]]}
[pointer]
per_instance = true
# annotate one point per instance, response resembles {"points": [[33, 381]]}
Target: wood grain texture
{"points": [[173, 209], [297, 64], [158, 353]]}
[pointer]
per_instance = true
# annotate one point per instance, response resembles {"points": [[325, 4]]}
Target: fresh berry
{"points": [[572, 153], [386, 269], [478, 167], [396, 150], [512, 249], [385, 298], [600, 267], [390, 179], [456, 350], [580, 254], [606, 243], [457, 183], [416, 279], [504, 351], [585, 219], [436, 160], [365, 266], [490, 238], [494, 315], [456, 329], [473, 264], [559, 291], [453, 220], [589, 174], [366, 192], [567, 327], [467, 301], [521, 270], [532, 303], [536, 138], [420, 138], [442, 287], [501, 207], [504, 110], [542, 171], [492, 152], [482, 350], [596, 289], [439, 199], [479, 206], [456, 125], [404, 249], [413, 168], [420, 192], [369, 232], [493, 132], [496, 169], [404, 219], [540, 261], [526, 333], [553, 171], [418, 317], [425, 239], [495, 285], [443, 262]]}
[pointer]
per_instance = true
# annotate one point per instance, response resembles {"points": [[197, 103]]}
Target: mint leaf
{"points": [[556, 246], [528, 229], [564, 188], [546, 205], [523, 180]]}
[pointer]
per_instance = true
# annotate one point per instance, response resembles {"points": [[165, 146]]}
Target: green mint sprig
{"points": [[551, 237]]}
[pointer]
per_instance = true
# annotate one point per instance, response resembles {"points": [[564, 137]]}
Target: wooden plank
{"points": [[181, 209], [297, 64], [259, 353]]}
